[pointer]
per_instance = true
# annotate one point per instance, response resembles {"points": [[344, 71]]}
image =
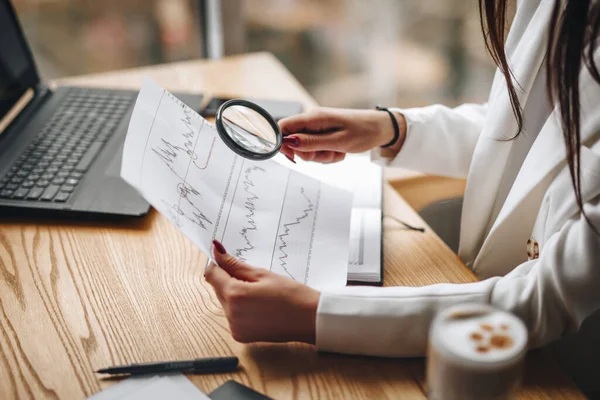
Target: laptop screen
{"points": [[17, 69]]}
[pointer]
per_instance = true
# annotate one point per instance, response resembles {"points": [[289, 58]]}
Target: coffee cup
{"points": [[475, 351]]}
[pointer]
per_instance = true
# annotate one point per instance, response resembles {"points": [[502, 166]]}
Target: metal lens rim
{"points": [[233, 145]]}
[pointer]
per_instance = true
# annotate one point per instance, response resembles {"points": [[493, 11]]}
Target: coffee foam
{"points": [[480, 335]]}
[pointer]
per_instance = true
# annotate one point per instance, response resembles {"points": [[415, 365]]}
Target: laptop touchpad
{"points": [[114, 166]]}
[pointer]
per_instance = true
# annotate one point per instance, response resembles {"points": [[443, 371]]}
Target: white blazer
{"points": [[518, 192]]}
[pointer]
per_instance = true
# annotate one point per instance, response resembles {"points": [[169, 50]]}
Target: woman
{"points": [[531, 212]]}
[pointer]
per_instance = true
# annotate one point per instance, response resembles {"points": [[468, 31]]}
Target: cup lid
{"points": [[479, 334]]}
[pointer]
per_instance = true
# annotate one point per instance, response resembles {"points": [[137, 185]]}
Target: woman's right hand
{"points": [[325, 135]]}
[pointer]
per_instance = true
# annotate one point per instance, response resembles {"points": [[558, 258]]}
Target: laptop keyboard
{"points": [[56, 161]]}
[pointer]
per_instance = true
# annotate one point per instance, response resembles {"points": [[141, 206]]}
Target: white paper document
{"points": [[263, 212], [158, 387]]}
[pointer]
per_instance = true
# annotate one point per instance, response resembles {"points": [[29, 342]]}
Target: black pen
{"points": [[201, 365]]}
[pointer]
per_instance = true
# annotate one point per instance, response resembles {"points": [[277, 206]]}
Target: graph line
{"points": [[250, 206], [312, 237], [224, 199], [169, 152], [196, 217], [288, 227], [212, 146]]}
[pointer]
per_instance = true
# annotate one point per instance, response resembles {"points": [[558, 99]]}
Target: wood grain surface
{"points": [[78, 296]]}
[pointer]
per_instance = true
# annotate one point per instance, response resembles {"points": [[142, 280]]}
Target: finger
{"points": [[306, 156], [324, 157], [218, 278], [219, 293], [319, 120], [232, 265], [289, 153], [338, 157], [335, 141]]}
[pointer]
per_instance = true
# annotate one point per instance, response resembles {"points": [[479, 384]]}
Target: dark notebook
{"points": [[232, 390]]}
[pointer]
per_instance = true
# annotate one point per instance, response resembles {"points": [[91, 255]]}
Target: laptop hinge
{"points": [[16, 109], [20, 105]]}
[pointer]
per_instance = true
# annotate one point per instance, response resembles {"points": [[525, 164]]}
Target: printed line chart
{"points": [[295, 234], [250, 224], [271, 219], [288, 228], [185, 150]]}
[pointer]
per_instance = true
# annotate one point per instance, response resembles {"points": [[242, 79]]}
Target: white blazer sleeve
{"points": [[440, 140], [553, 295]]}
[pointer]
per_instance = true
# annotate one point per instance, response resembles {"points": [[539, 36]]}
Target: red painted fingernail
{"points": [[290, 158], [291, 141], [219, 247]]}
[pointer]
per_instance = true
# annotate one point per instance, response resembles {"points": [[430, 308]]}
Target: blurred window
{"points": [[348, 53], [71, 37]]}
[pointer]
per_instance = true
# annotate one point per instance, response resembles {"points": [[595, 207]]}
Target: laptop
{"points": [[60, 149]]}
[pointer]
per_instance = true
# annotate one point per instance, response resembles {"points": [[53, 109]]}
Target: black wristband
{"points": [[396, 127]]}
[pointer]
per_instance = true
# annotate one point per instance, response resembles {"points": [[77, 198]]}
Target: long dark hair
{"points": [[573, 34]]}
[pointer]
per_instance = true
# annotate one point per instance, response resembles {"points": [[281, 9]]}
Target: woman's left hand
{"points": [[260, 305]]}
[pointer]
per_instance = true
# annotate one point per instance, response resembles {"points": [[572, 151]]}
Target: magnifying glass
{"points": [[248, 129]]}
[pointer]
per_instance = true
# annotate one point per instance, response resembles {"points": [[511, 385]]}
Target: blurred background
{"points": [[347, 53]]}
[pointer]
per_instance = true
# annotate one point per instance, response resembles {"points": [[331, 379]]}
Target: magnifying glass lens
{"points": [[249, 130]]}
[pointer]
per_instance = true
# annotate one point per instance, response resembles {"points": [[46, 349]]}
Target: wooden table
{"points": [[78, 296]]}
